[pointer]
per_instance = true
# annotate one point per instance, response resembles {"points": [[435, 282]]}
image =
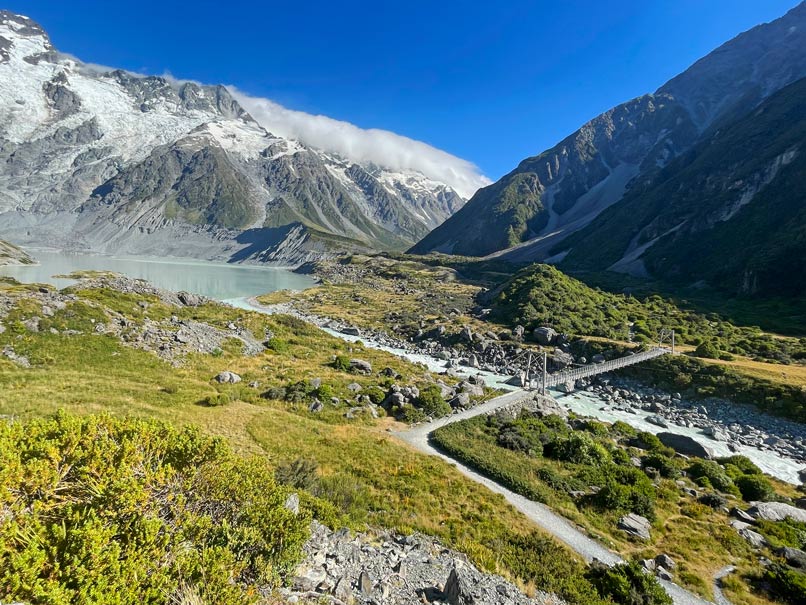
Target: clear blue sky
{"points": [[492, 82]]}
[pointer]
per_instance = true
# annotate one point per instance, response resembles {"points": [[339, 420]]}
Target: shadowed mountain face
{"points": [[529, 214], [111, 161], [730, 212]]}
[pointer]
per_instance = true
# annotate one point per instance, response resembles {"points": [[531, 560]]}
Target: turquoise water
{"points": [[216, 280]]}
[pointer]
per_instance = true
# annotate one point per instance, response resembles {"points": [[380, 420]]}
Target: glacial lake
{"points": [[215, 280]]}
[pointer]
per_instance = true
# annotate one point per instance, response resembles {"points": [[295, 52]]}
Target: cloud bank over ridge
{"points": [[384, 148]]}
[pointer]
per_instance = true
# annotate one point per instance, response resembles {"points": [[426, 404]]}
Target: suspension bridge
{"points": [[566, 378]]}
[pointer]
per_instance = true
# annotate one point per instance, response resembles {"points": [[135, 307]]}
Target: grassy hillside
{"points": [[543, 295], [596, 473], [75, 361]]}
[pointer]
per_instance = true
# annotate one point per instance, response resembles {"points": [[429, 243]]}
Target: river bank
{"points": [[774, 444]]}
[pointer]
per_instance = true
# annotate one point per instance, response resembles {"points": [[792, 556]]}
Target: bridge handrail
{"points": [[592, 369]]}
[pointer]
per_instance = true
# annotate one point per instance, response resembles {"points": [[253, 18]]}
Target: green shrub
{"points": [[668, 467], [103, 511], [626, 490], [706, 350], [324, 392], [787, 584], [743, 463], [715, 474], [342, 363], [299, 474], [278, 345], [217, 400], [376, 394], [755, 487], [410, 414], [579, 448], [627, 584], [432, 402]]}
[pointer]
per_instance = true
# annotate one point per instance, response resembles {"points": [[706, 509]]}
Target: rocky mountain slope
{"points": [[112, 161], [729, 212], [11, 255], [527, 214]]}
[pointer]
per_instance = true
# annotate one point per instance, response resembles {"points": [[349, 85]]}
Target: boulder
{"points": [[657, 421], [665, 561], [360, 366], [466, 334], [793, 556], [365, 584], [776, 511], [635, 525], [316, 406], [544, 335], [753, 538], [227, 377], [739, 514], [292, 503], [351, 331], [188, 299], [461, 400], [546, 406], [688, 446], [458, 590]]}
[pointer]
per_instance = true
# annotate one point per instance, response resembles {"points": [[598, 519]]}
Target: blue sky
{"points": [[489, 82]]}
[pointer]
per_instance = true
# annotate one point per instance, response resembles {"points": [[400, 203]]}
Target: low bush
{"points": [[627, 584], [342, 363], [787, 584], [216, 400], [755, 487], [714, 473], [432, 402], [102, 511]]}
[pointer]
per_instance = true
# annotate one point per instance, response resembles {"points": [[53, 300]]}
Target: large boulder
{"points": [[688, 446], [458, 589], [776, 511], [227, 377], [793, 556], [360, 366], [635, 525], [544, 335]]}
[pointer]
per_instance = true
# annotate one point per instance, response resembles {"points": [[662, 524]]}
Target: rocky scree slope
{"points": [[113, 161], [11, 255], [527, 214]]}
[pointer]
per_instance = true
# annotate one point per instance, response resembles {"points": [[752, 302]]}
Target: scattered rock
{"points": [[777, 511], [227, 377], [688, 446], [657, 421], [360, 366], [544, 335], [292, 503], [793, 556], [635, 525]]}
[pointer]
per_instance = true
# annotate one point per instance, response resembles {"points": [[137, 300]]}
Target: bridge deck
{"points": [[592, 369]]}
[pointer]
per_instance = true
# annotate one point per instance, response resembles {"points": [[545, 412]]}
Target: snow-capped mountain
{"points": [[113, 161]]}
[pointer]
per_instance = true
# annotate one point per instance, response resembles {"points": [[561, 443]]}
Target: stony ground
{"points": [[391, 569]]}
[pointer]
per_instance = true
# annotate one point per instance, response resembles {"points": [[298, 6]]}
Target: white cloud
{"points": [[384, 148]]}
